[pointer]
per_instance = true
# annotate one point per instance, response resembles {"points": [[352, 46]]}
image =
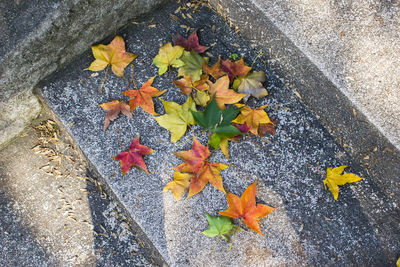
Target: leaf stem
{"points": [[317, 170], [133, 80], [237, 230], [119, 138], [104, 80], [169, 73], [215, 246], [254, 61]]}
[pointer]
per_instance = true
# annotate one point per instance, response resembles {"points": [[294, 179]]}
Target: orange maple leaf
{"points": [[114, 108], [235, 68], [215, 70], [144, 97], [245, 208], [204, 171], [252, 117], [186, 85], [113, 54], [133, 157], [222, 94]]}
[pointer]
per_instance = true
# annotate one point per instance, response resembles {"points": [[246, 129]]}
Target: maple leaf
{"points": [[243, 128], [252, 85], [265, 128], [252, 117], [192, 42], [222, 94], [245, 208], [193, 65], [217, 121], [144, 97], [224, 146], [179, 185], [113, 54], [209, 173], [168, 55], [114, 108], [187, 85], [334, 177], [215, 70], [202, 98], [219, 226], [178, 117], [204, 171], [195, 157], [235, 68], [224, 142], [133, 157]]}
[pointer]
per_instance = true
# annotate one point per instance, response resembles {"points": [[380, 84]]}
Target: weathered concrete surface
{"points": [[54, 212], [355, 44], [37, 37], [342, 59], [308, 228]]}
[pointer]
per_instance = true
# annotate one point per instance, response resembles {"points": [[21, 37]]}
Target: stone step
{"points": [[38, 37], [308, 228], [54, 212], [343, 61]]}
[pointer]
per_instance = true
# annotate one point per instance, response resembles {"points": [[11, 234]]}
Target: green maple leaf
{"points": [[220, 226], [177, 118], [217, 121], [193, 65]]}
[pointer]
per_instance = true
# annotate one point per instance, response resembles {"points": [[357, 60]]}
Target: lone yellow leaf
{"points": [[334, 177], [113, 54]]}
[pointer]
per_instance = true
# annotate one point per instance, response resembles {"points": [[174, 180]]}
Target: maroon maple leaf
{"points": [[192, 42]]}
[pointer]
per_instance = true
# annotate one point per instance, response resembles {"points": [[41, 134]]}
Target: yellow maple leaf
{"points": [[113, 54], [201, 98], [334, 178], [168, 55], [177, 118], [252, 117], [179, 185]]}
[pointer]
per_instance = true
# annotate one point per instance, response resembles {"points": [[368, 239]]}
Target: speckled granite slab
{"points": [[308, 228]]}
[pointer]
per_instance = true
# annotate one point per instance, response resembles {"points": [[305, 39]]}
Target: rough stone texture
{"points": [[308, 228], [20, 109], [317, 49], [54, 212], [37, 37]]}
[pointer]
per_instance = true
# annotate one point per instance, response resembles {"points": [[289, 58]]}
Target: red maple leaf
{"points": [[133, 157], [114, 108], [192, 42], [245, 208]]}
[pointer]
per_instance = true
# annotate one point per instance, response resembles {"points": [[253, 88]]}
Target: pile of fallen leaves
{"points": [[222, 91]]}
